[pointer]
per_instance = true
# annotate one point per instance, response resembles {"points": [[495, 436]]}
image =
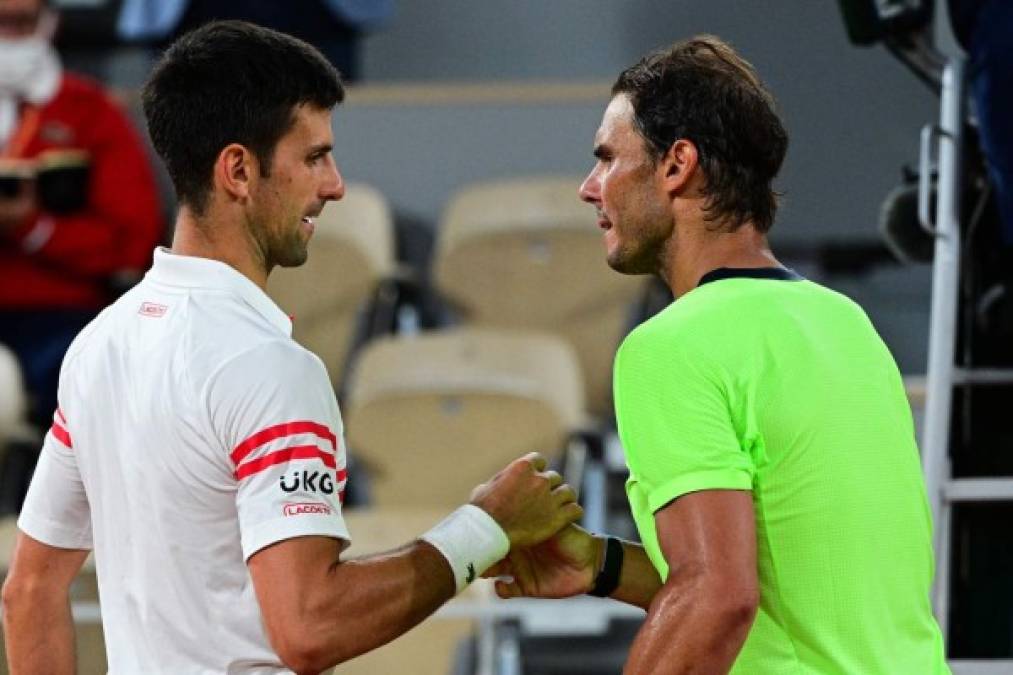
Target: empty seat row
{"points": [[517, 254], [528, 362]]}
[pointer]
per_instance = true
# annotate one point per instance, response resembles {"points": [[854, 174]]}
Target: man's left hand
{"points": [[560, 567]]}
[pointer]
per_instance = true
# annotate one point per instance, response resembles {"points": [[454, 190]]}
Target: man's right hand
{"points": [[560, 567], [17, 208], [529, 503]]}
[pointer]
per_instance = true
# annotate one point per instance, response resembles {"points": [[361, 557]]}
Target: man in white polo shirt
{"points": [[198, 450]]}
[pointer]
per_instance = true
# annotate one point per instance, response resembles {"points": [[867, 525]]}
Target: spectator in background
{"points": [[985, 29], [79, 211], [335, 27]]}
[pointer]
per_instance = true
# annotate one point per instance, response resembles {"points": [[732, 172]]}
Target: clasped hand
{"points": [[550, 556]]}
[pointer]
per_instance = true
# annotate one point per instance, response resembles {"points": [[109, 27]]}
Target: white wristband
{"points": [[471, 541]]}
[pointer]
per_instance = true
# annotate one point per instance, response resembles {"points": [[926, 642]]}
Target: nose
{"points": [[590, 189], [334, 187]]}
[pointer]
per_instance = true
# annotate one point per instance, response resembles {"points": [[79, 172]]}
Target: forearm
{"points": [[320, 611], [364, 603], [694, 626], [39, 635], [638, 580]]}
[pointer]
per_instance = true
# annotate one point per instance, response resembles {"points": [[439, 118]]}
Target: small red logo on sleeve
{"points": [[152, 309], [307, 507]]}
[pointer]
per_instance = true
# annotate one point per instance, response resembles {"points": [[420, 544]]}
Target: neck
{"points": [[696, 250], [219, 238]]}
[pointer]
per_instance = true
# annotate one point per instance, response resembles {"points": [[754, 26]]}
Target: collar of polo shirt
{"points": [[193, 272]]}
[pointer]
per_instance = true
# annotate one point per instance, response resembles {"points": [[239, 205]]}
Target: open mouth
{"points": [[603, 221], [308, 220]]}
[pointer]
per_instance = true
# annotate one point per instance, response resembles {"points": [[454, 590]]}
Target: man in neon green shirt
{"points": [[774, 476]]}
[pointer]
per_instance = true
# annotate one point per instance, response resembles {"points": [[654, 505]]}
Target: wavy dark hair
{"points": [[230, 82], [700, 90]]}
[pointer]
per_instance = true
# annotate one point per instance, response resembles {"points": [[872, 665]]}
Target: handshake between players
{"points": [[549, 555], [520, 507]]}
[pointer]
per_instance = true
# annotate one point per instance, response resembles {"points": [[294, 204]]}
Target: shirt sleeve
{"points": [[56, 510], [675, 421], [274, 412]]}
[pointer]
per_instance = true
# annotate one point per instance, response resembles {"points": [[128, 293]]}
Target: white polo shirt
{"points": [[192, 432]]}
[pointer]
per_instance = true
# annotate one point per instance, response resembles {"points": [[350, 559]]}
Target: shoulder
{"points": [[279, 354], [80, 343], [80, 85], [668, 350], [824, 309], [724, 313], [277, 365], [222, 327], [78, 89], [836, 301], [268, 383], [84, 103], [108, 323], [717, 325], [681, 327]]}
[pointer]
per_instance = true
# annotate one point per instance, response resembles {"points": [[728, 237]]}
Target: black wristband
{"points": [[608, 577]]}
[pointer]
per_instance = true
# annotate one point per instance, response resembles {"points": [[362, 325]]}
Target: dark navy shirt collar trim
{"points": [[776, 273]]}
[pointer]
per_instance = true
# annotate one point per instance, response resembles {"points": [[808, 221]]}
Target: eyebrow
{"points": [[320, 148]]}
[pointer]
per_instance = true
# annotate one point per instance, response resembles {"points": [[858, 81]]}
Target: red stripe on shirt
{"points": [[280, 431], [61, 435], [59, 417], [285, 455]]}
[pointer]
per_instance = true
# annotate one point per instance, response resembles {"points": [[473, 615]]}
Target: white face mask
{"points": [[29, 66], [20, 60]]}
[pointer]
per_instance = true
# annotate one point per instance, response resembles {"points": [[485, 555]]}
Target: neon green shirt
{"points": [[782, 387]]}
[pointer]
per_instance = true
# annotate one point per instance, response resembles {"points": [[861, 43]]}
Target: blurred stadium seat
{"points": [[433, 415], [351, 253], [525, 253], [12, 397]]}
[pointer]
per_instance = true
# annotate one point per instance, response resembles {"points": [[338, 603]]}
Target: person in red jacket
{"points": [[79, 208]]}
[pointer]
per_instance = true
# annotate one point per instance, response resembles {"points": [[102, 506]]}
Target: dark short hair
{"points": [[230, 82], [700, 90]]}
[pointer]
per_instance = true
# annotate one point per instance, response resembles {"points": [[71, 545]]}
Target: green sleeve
{"points": [[674, 420]]}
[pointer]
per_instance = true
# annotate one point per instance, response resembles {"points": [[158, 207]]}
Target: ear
{"points": [[678, 165], [235, 170]]}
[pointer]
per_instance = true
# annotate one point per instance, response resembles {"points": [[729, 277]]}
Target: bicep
{"points": [[285, 573], [56, 509], [42, 567], [54, 527], [711, 533], [700, 618]]}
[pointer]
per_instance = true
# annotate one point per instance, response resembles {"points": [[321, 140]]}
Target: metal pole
{"points": [[943, 325]]}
